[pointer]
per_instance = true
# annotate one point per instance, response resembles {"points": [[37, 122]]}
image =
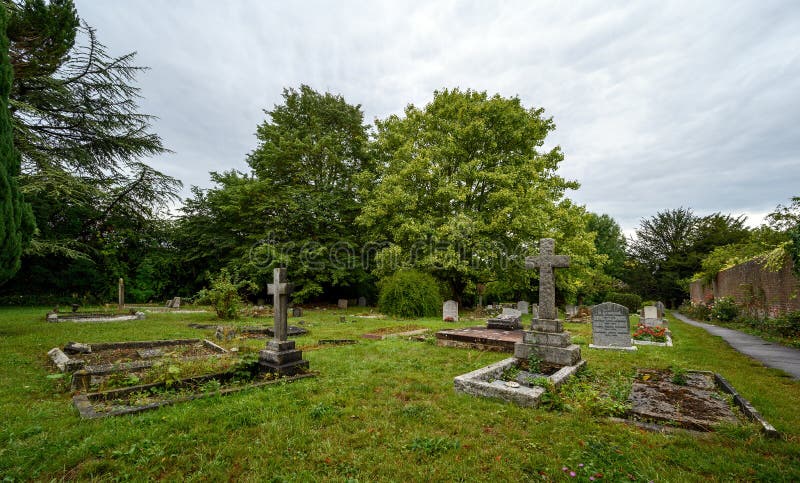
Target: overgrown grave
{"points": [[280, 361], [407, 330], [544, 359], [92, 365], [111, 316], [695, 400], [230, 332]]}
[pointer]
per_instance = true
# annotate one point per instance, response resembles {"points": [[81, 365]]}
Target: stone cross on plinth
{"points": [[547, 340], [546, 262], [280, 357], [280, 291]]}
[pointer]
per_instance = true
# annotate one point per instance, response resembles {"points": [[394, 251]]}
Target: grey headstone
{"points": [[450, 311], [169, 303], [660, 309], [176, 303], [297, 312], [523, 307], [342, 303], [546, 262], [534, 309], [511, 312], [571, 310], [362, 301], [611, 326], [651, 318]]}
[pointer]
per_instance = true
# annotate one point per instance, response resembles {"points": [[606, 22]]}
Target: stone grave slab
{"points": [[611, 327], [509, 319], [479, 338], [523, 307]]}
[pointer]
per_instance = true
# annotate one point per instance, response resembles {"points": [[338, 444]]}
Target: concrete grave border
{"points": [[477, 383]]}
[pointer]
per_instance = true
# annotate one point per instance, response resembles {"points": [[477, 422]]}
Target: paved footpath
{"points": [[768, 353]]}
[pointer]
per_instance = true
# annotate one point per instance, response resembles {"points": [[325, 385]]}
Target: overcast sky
{"points": [[657, 104]]}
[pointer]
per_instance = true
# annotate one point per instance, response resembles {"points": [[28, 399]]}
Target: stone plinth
{"points": [[282, 358]]}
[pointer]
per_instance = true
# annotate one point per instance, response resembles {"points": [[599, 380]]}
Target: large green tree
{"points": [[83, 143], [16, 217], [609, 241], [298, 204], [464, 190]]}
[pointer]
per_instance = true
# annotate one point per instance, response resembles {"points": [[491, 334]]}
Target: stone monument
{"points": [[611, 327], [509, 319], [342, 303], [570, 310], [547, 340], [280, 357], [660, 309], [651, 318], [534, 309], [450, 311], [523, 307], [176, 303], [121, 294], [362, 301]]}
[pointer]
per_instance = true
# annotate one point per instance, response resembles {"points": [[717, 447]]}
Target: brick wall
{"points": [[764, 292]]}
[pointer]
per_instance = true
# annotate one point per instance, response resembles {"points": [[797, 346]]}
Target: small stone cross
{"points": [[280, 290], [546, 262], [121, 294]]}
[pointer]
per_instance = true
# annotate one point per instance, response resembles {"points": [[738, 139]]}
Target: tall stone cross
{"points": [[280, 290], [546, 262]]}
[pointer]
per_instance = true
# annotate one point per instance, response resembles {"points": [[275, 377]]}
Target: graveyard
{"points": [[386, 408], [389, 241]]}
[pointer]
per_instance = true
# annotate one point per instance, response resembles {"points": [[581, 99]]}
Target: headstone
{"points": [[169, 303], [651, 316], [547, 340], [660, 309], [280, 356], [509, 319], [523, 307], [571, 310], [450, 311], [342, 303], [121, 294], [534, 308], [176, 303], [611, 327], [362, 301], [297, 312]]}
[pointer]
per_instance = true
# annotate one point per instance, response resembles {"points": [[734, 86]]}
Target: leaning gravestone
{"points": [[342, 303], [651, 316], [280, 357], [450, 311], [534, 309], [571, 310], [169, 303], [523, 307], [509, 319], [362, 301], [176, 304], [611, 327]]}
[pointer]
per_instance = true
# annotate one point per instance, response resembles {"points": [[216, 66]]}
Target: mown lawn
{"points": [[379, 410]]}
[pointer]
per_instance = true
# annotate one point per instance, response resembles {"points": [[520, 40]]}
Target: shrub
{"points": [[787, 325], [725, 309], [630, 300], [409, 293], [223, 295], [696, 311]]}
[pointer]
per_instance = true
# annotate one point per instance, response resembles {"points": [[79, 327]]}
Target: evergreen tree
{"points": [[16, 217]]}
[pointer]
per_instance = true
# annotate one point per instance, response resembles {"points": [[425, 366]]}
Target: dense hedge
{"points": [[409, 293], [630, 300]]}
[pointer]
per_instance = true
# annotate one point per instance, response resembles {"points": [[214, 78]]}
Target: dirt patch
{"points": [[690, 400]]}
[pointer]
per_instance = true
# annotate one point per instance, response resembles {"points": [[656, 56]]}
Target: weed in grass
{"points": [[321, 410], [539, 381], [510, 373], [678, 375], [432, 446]]}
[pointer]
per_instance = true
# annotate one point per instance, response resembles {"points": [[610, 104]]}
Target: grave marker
{"points": [[651, 318], [362, 301], [450, 311], [523, 307], [280, 356], [546, 262], [121, 294], [342, 303], [611, 327]]}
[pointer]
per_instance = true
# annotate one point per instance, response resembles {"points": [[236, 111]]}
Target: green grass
{"points": [[379, 410]]}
